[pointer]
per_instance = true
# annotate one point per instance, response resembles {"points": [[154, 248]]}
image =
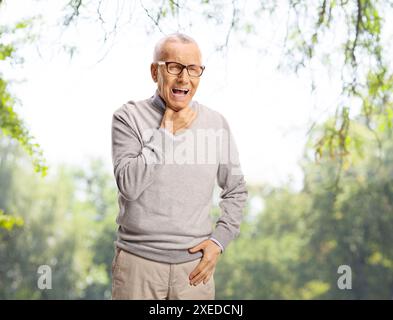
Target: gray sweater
{"points": [[165, 182]]}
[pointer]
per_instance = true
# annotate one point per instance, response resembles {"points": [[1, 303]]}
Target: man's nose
{"points": [[183, 76]]}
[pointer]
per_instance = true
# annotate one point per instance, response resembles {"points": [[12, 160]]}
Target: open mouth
{"points": [[180, 91]]}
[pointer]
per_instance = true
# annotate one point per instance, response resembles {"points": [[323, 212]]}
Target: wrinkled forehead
{"points": [[176, 50]]}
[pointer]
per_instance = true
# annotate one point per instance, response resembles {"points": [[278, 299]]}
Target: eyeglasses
{"points": [[176, 68]]}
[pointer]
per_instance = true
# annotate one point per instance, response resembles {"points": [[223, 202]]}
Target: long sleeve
{"points": [[217, 243], [234, 191], [135, 161]]}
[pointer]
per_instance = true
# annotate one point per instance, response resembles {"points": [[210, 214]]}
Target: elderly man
{"points": [[166, 246]]}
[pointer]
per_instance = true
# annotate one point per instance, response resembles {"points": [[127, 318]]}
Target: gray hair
{"points": [[174, 37]]}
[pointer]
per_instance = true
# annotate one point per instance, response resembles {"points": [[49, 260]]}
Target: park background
{"points": [[306, 87]]}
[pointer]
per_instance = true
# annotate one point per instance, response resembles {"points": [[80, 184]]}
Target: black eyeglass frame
{"points": [[182, 68]]}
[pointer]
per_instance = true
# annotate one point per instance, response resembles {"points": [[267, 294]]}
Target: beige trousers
{"points": [[134, 277]]}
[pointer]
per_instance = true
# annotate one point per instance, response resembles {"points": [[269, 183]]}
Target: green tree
{"points": [[11, 124], [349, 36], [293, 248], [68, 225]]}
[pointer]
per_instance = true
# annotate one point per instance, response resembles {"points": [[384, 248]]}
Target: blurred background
{"points": [[306, 87]]}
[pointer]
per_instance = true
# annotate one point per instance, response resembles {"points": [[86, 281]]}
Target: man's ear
{"points": [[154, 71]]}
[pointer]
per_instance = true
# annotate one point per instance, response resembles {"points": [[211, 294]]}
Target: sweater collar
{"points": [[158, 102]]}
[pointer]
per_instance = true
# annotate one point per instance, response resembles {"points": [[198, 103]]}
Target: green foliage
{"points": [[11, 124], [5, 51], [8, 222], [69, 224], [290, 249], [357, 53], [335, 138]]}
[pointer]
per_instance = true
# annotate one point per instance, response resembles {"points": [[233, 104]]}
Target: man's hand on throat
{"points": [[175, 121]]}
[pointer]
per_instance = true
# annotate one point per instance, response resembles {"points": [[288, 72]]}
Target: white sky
{"points": [[68, 105]]}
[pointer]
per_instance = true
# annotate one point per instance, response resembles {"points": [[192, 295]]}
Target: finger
{"points": [[182, 113], [195, 272], [209, 274], [187, 108], [168, 121], [197, 247], [169, 110], [190, 120], [186, 116], [200, 267], [200, 277], [193, 116], [169, 124], [207, 278], [194, 249]]}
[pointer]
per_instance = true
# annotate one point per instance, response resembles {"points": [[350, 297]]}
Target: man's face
{"points": [[186, 54]]}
